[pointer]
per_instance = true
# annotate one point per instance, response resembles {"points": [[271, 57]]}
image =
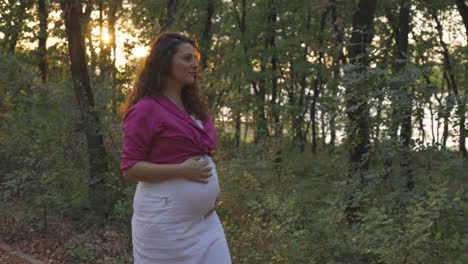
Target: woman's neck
{"points": [[174, 93]]}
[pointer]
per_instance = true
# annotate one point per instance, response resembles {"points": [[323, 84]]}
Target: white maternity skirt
{"points": [[170, 226]]}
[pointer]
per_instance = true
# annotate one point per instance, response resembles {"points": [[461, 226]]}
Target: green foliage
{"points": [[411, 228], [38, 146], [80, 255], [297, 216]]}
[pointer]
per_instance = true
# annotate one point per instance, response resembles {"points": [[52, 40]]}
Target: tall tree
{"points": [[171, 10], [463, 10], [271, 44], [319, 81], [357, 96], [41, 50], [114, 6], [205, 41], [401, 31], [241, 25], [84, 95], [338, 59], [257, 81], [452, 84]]}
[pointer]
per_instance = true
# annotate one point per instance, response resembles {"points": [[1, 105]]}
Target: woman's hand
{"points": [[216, 205], [194, 170]]}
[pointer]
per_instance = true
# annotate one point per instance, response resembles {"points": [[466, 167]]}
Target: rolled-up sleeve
{"points": [[138, 130]]}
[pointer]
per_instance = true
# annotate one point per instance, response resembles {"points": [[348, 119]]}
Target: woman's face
{"points": [[184, 65]]}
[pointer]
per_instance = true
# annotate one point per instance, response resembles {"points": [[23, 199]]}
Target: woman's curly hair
{"points": [[151, 77]]}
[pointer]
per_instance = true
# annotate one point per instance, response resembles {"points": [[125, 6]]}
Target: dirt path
{"points": [[63, 242], [10, 256], [7, 258]]}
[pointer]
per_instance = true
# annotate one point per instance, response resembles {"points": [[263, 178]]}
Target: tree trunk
{"points": [[378, 119], [237, 121], [105, 61], [460, 98], [42, 50], [433, 141], [402, 56], [394, 122], [318, 82], [420, 119], [274, 104], [446, 112], [323, 126], [463, 9], [170, 14], [260, 122], [261, 125], [300, 108], [86, 29], [356, 100], [423, 61], [313, 115], [296, 106], [401, 104], [261, 130], [90, 119], [338, 58], [270, 43], [18, 26], [111, 20], [440, 114], [237, 127], [303, 98], [206, 35], [361, 37]]}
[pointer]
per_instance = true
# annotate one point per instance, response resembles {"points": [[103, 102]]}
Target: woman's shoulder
{"points": [[146, 102], [144, 108]]}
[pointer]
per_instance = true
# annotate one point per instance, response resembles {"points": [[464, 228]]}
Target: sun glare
{"points": [[105, 35], [140, 51]]}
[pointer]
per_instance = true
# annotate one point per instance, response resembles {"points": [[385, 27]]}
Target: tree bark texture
{"points": [[460, 98], [271, 44], [84, 95], [338, 58], [171, 11], [356, 96], [402, 57], [463, 10], [356, 100], [261, 126], [42, 50], [206, 35]]}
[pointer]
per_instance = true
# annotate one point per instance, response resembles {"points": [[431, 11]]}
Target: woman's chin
{"points": [[189, 82]]}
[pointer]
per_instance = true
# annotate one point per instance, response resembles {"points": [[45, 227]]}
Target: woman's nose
{"points": [[195, 64]]}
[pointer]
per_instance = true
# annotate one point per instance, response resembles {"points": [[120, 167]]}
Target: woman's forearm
{"points": [[152, 172]]}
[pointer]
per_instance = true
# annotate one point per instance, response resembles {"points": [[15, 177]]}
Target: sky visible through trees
{"points": [[129, 47]]}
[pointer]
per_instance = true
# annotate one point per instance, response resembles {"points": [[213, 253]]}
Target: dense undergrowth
{"points": [[296, 216], [292, 214]]}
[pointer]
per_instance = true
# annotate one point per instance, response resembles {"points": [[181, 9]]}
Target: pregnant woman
{"points": [[167, 145]]}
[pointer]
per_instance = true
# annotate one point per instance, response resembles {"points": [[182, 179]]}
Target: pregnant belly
{"points": [[176, 200]]}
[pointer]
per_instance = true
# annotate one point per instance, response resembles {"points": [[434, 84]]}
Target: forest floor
{"points": [[7, 258], [61, 243]]}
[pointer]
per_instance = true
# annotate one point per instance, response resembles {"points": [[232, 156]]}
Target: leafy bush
{"points": [[297, 217]]}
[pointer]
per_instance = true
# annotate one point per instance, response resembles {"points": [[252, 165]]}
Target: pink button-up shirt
{"points": [[158, 131]]}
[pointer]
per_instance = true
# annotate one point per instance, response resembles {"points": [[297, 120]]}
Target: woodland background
{"points": [[342, 124]]}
